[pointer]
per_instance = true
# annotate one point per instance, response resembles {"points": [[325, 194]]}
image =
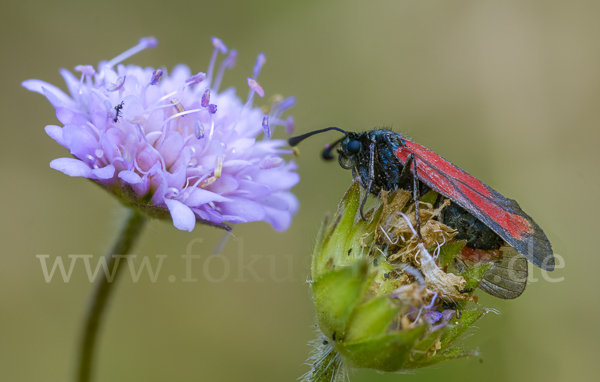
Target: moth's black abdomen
{"points": [[476, 233]]}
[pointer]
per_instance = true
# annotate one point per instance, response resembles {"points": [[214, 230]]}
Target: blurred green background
{"points": [[508, 90]]}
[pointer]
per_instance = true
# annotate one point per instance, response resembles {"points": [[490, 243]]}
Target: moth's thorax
{"points": [[386, 166]]}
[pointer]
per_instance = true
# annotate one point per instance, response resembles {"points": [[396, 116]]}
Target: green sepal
{"points": [[430, 197], [337, 293], [371, 319], [387, 353], [334, 250], [443, 355], [425, 343], [449, 251], [457, 326], [366, 231], [474, 275]]}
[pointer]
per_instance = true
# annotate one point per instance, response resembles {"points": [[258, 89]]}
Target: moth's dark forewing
{"points": [[533, 244], [507, 278], [504, 216]]}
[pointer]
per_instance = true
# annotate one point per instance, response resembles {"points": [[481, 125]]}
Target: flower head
{"points": [[172, 143], [386, 300]]}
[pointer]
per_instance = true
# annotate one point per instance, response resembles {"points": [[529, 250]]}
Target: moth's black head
{"points": [[352, 148], [372, 158], [355, 152]]}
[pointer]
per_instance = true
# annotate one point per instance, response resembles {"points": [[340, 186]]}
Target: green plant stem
{"points": [[102, 289]]}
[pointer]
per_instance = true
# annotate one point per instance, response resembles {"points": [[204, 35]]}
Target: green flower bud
{"points": [[382, 300]]}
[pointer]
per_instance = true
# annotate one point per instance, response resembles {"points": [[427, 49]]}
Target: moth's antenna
{"points": [[295, 140]]}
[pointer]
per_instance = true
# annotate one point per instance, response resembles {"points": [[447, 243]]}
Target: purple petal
{"points": [[80, 142], [245, 209], [56, 96], [72, 167], [252, 189], [171, 147], [106, 172], [275, 202], [56, 133], [130, 177], [448, 314], [183, 218], [67, 116], [71, 81], [278, 180], [200, 196], [432, 317], [279, 220], [226, 183], [292, 201]]}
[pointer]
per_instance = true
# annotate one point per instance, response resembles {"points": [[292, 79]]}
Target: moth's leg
{"points": [[416, 194], [371, 176], [405, 174]]}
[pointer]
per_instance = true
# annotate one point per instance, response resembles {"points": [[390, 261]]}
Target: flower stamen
{"points": [[228, 63], [219, 47], [144, 43]]}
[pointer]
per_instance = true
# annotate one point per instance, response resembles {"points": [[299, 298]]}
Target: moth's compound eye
{"points": [[354, 147]]}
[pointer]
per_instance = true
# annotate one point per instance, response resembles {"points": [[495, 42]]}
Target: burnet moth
{"points": [[384, 160]]}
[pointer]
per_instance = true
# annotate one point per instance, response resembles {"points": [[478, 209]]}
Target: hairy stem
{"points": [[129, 233]]}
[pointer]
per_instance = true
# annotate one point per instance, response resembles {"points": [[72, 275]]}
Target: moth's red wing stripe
{"points": [[502, 215], [468, 192], [517, 226], [443, 166]]}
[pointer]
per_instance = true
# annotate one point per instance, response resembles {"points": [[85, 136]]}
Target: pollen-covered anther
{"points": [[272, 162], [207, 182], [117, 85], [212, 108], [265, 126], [289, 125], [256, 87], [148, 42], [260, 61], [177, 105], [218, 167], [220, 45], [199, 130], [87, 70], [195, 79], [205, 98], [156, 76]]}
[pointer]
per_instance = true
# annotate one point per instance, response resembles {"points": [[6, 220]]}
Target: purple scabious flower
{"points": [[172, 144]]}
